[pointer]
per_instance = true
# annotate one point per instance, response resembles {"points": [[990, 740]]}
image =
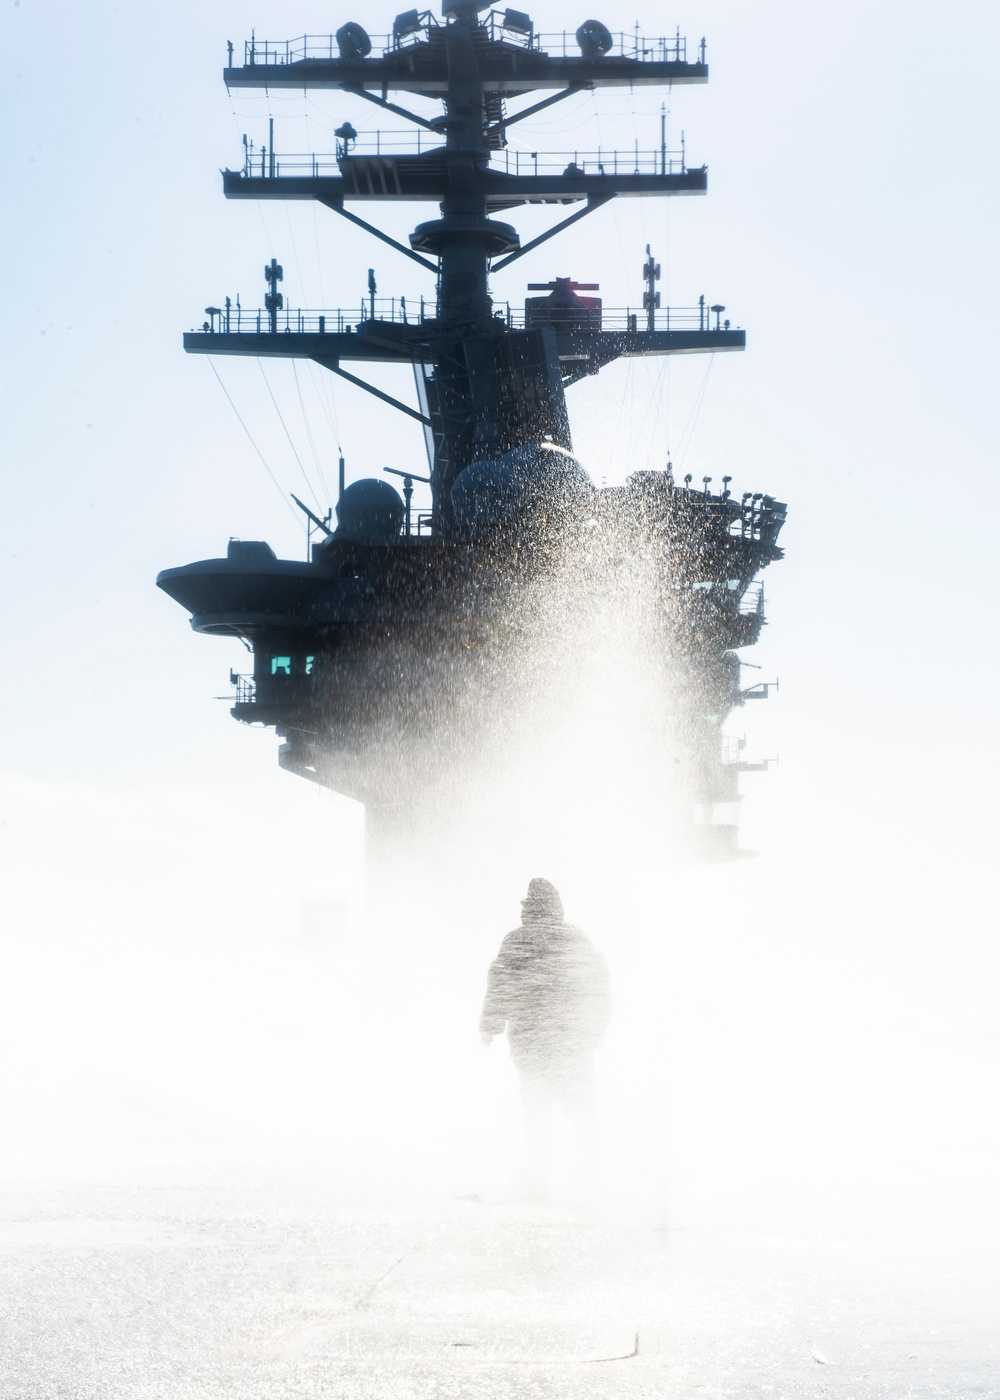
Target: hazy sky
{"points": [[850, 225]]}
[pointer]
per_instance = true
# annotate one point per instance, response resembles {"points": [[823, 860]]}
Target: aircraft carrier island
{"points": [[404, 615]]}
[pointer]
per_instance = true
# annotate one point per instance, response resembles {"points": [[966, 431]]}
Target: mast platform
{"points": [[510, 61], [325, 336], [419, 178]]}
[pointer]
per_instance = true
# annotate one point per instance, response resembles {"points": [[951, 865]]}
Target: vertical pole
{"points": [[340, 480], [650, 298], [663, 139], [270, 142], [408, 497], [274, 301]]}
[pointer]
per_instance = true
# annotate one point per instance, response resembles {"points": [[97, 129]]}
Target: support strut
{"points": [[370, 388], [594, 201], [338, 208]]}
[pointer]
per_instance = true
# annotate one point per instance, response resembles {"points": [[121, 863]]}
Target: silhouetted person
{"points": [[548, 988]]}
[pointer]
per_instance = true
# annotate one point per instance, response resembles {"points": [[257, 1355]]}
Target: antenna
{"points": [[407, 476], [651, 299], [273, 301], [408, 479]]}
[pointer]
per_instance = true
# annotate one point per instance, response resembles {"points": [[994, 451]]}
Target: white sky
{"points": [[850, 225]]}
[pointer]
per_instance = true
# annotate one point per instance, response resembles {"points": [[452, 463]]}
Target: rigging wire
{"points": [[332, 421], [692, 421], [258, 204], [322, 296], [312, 444], [667, 265], [327, 382], [298, 267], [288, 435], [625, 397], [652, 408], [252, 441]]}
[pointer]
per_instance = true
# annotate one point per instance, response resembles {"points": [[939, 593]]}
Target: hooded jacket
{"points": [[548, 988]]}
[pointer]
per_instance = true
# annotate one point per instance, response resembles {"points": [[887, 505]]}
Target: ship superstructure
{"points": [[352, 647]]}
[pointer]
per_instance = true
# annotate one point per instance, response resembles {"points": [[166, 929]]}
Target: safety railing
{"points": [[278, 52], [238, 320], [732, 748], [244, 689], [635, 162], [761, 517], [728, 593], [260, 163], [627, 43], [752, 601], [234, 319]]}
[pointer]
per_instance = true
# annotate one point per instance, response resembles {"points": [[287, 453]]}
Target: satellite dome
{"points": [[540, 479], [370, 511]]}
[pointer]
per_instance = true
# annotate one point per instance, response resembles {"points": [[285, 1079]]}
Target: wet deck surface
{"points": [[281, 1290]]}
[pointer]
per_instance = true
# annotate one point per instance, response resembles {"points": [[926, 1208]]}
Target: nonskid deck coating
{"points": [[286, 1291]]}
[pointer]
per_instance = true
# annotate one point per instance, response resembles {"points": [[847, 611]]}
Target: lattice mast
{"points": [[489, 383]]}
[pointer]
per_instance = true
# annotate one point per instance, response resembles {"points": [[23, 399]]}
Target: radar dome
{"points": [[370, 511], [524, 484]]}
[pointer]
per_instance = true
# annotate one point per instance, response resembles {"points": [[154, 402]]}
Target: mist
{"points": [[252, 1144]]}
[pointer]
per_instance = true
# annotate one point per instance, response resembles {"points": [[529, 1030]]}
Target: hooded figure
{"points": [[548, 988]]}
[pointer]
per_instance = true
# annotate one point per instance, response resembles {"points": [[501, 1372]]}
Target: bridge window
{"points": [[309, 665], [282, 664]]}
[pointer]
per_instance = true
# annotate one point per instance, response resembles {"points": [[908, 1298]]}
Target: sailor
{"points": [[548, 988]]}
